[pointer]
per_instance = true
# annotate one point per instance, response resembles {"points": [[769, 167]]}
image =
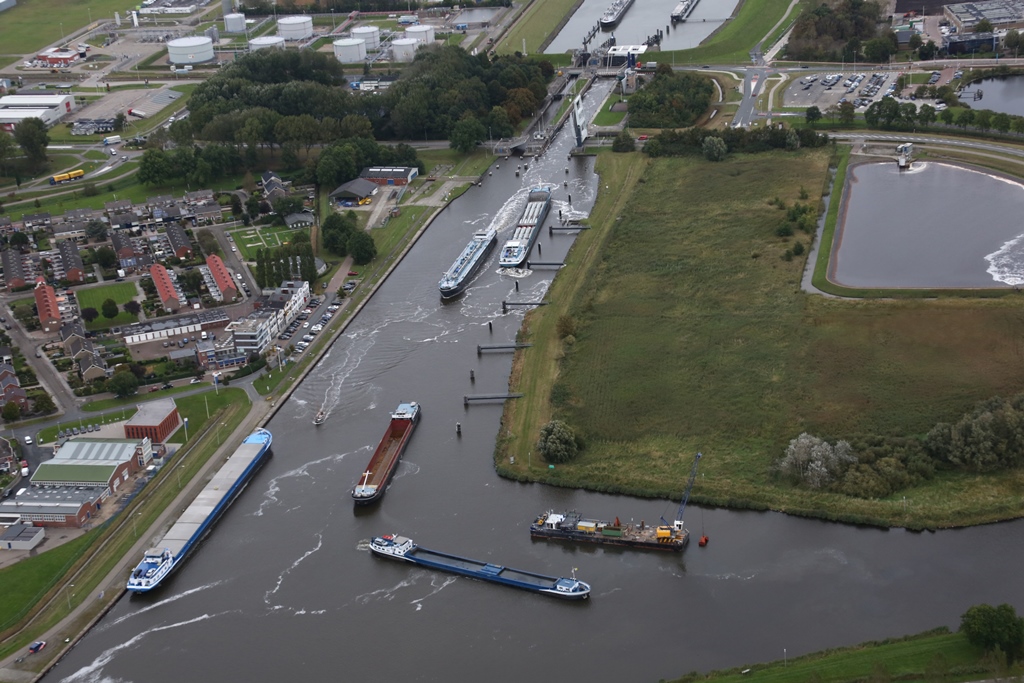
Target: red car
{"points": [[352, 273], [642, 138]]}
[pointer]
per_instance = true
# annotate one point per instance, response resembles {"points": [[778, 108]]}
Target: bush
{"points": [[714, 148], [623, 143], [557, 442]]}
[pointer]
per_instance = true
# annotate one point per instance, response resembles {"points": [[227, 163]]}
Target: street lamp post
{"points": [[186, 430], [67, 594], [332, 20]]}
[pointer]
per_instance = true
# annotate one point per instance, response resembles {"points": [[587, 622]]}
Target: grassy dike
{"points": [[692, 334], [936, 655], [42, 602]]}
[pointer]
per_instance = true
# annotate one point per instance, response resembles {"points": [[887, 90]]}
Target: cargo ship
{"points": [[517, 250], [571, 526], [199, 517], [401, 548], [613, 14], [683, 9], [374, 481], [469, 262]]}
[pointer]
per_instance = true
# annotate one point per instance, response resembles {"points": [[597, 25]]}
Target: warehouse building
{"points": [[50, 108], [155, 421], [1002, 14], [400, 175]]}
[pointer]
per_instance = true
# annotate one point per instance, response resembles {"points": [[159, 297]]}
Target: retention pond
{"points": [[932, 227]]}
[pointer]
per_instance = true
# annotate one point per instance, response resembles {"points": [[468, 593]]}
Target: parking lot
{"points": [[825, 90], [303, 330]]}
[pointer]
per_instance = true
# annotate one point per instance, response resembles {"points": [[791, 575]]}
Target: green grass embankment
{"points": [[535, 25], [735, 360], [732, 44]]}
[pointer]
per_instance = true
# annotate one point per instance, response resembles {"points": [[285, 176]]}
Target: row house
{"points": [[10, 387], [171, 296], [19, 270], [181, 245], [36, 221], [225, 283], [47, 307], [71, 261]]}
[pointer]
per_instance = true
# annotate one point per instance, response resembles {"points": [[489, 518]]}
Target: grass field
{"points": [[94, 297], [198, 406], [732, 44], [111, 403], [451, 162], [537, 22], [249, 240], [31, 25], [736, 360], [607, 117], [931, 656]]}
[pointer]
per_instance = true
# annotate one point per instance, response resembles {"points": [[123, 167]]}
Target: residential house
{"points": [[74, 269], [125, 249], [79, 348], [199, 197], [167, 289], [6, 225], [117, 206], [17, 272], [208, 213], [222, 277], [181, 245], [36, 221], [92, 367], [74, 230], [47, 307], [6, 355], [298, 220], [7, 370]]}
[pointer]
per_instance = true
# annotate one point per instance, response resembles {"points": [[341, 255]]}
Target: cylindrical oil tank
{"points": [[234, 23], [404, 49], [192, 50], [350, 50], [371, 34], [421, 32], [264, 42], [295, 28]]}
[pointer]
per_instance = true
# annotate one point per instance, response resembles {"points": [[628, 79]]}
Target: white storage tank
{"points": [[350, 50], [234, 23], [295, 28], [192, 50], [404, 49], [371, 34], [421, 32], [264, 42]]}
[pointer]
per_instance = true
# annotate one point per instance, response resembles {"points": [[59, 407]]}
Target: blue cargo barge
{"points": [[402, 548], [200, 516]]}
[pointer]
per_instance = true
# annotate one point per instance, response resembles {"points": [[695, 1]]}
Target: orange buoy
{"points": [[703, 541]]}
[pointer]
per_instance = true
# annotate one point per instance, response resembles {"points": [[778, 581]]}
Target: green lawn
{"points": [[94, 297], [142, 397], [735, 360], [732, 44], [607, 117], [932, 656], [452, 162], [198, 406], [249, 240], [33, 24], [28, 580], [537, 22]]}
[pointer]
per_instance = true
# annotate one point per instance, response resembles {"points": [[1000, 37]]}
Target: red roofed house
{"points": [[165, 288], [227, 286], [46, 305]]}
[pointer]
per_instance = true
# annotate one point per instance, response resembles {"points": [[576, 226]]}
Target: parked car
{"points": [[28, 440], [167, 386], [195, 380]]}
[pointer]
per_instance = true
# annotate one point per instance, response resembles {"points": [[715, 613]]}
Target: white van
{"points": [[204, 336]]}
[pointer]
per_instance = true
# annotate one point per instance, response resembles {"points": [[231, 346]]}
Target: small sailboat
{"points": [[320, 418]]}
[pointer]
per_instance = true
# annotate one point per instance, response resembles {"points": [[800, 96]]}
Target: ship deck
{"points": [[484, 568], [378, 466], [181, 535]]}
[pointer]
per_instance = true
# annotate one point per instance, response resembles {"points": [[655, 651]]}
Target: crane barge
{"points": [[572, 526]]}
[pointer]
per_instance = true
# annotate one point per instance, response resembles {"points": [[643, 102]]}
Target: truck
{"points": [[111, 139], [408, 19], [137, 112]]}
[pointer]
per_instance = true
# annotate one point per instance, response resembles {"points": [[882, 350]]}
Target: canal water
{"points": [[999, 94], [644, 19], [286, 589], [915, 229]]}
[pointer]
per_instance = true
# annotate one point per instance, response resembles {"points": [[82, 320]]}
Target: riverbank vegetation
{"points": [[736, 361]]}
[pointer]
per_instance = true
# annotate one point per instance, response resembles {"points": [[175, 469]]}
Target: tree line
{"points": [[691, 141], [841, 32], [342, 236], [672, 99], [988, 438], [287, 262]]}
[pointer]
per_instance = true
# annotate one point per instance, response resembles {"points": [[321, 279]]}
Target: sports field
{"points": [[735, 359]]}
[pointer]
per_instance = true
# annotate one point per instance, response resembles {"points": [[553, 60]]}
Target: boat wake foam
{"points": [[286, 572], [91, 673], [155, 605], [386, 593], [437, 588], [274, 485], [1007, 263]]}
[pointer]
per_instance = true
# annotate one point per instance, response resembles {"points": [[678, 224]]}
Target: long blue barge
{"points": [[199, 517], [402, 548]]}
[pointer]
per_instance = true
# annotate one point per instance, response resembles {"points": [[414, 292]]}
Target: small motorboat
{"points": [[36, 647], [320, 418]]}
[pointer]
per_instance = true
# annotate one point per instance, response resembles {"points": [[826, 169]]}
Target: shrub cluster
{"points": [[691, 141]]}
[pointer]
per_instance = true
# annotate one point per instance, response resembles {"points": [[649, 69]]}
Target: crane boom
{"points": [[686, 494]]}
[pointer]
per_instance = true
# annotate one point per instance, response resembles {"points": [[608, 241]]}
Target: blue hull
{"points": [[218, 510], [459, 287]]}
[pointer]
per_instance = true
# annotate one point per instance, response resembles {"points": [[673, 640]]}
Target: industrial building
{"points": [[155, 421], [49, 108], [21, 536], [1002, 14], [169, 328], [191, 50], [400, 175], [968, 43]]}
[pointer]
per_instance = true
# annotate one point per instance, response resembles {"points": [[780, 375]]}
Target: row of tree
{"points": [[198, 166], [25, 150], [890, 114], [342, 236], [288, 262], [690, 142], [825, 32]]}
